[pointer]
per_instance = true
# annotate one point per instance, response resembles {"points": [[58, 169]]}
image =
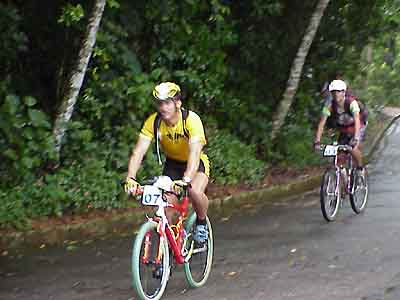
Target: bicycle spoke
{"points": [[358, 198], [150, 263], [198, 266], [329, 195]]}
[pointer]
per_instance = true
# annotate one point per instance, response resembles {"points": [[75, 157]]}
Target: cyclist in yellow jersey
{"points": [[182, 141]]}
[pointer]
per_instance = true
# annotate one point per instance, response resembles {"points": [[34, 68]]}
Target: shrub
{"points": [[233, 161]]}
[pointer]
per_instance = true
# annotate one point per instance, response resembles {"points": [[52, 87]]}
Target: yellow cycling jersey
{"points": [[173, 141]]}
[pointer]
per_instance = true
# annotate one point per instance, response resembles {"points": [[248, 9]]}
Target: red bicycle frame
{"points": [[173, 233]]}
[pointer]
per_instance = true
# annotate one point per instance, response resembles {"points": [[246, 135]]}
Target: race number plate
{"points": [[151, 195], [330, 150]]}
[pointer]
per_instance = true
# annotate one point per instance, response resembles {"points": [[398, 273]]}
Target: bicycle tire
{"points": [[359, 201], [193, 278], [329, 195], [141, 287]]}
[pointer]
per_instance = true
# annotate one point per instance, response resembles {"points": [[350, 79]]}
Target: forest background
{"points": [[234, 61]]}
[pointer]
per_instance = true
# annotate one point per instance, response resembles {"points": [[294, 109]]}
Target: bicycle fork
{"points": [[147, 248], [338, 191]]}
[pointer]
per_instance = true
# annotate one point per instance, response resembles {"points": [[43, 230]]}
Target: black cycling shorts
{"points": [[175, 169], [345, 138]]}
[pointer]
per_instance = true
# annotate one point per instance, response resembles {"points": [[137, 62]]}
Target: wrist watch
{"points": [[186, 179]]}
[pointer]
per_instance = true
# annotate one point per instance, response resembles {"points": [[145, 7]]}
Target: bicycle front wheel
{"points": [[150, 263], [329, 195], [200, 256], [359, 195]]}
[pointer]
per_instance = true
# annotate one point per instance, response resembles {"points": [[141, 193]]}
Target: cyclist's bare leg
{"points": [[197, 194], [357, 155]]}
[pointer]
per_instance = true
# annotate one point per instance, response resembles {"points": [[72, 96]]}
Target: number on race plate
{"points": [[330, 150], [151, 195]]}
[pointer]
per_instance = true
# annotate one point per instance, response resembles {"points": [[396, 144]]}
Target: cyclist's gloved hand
{"points": [[178, 185], [317, 146], [131, 186], [354, 142]]}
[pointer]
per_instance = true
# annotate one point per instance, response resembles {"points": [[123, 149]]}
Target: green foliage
{"points": [[294, 147], [113, 3], [13, 39], [71, 14], [201, 68], [296, 152], [25, 139], [12, 211], [231, 58], [77, 187], [381, 75], [232, 161]]}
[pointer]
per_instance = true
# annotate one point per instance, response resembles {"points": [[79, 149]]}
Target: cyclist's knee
{"points": [[195, 192]]}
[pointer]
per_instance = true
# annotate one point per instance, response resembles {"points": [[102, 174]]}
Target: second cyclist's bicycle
{"points": [[341, 179], [159, 245]]}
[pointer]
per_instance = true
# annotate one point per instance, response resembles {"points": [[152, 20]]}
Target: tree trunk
{"points": [[368, 58], [296, 69], [76, 76]]}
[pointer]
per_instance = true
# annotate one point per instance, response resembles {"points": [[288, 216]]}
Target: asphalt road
{"points": [[278, 250]]}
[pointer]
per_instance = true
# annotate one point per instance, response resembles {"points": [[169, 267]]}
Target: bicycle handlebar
{"points": [[151, 181], [341, 147]]}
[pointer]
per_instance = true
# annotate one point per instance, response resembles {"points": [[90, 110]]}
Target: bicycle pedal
{"points": [[200, 248]]}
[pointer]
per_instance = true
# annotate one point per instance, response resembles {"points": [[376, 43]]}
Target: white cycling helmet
{"points": [[166, 90], [337, 85]]}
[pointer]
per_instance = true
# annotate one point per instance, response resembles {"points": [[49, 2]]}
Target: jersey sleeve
{"points": [[195, 128], [354, 107], [326, 112], [148, 127]]}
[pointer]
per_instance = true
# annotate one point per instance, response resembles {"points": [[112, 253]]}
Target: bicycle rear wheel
{"points": [[200, 256], [359, 196], [329, 195], [150, 263]]}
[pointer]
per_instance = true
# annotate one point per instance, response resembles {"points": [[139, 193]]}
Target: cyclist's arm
{"points": [[355, 110], [357, 126], [320, 128], [138, 153], [195, 148], [196, 142]]}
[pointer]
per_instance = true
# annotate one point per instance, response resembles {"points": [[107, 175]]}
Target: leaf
{"points": [[30, 101], [156, 73], [131, 61], [113, 3], [11, 103], [38, 118], [27, 162], [10, 153], [28, 133]]}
